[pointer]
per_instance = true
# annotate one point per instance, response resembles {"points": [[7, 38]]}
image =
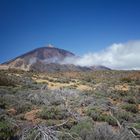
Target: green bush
{"points": [[126, 79], [94, 113], [6, 130], [110, 120], [98, 115], [53, 112], [137, 125], [6, 80], [23, 107], [4, 103], [121, 116], [131, 108], [83, 128], [130, 100]]}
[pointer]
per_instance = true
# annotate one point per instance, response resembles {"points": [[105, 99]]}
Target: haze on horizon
{"points": [[102, 32]]}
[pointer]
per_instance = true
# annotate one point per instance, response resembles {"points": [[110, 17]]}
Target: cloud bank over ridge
{"points": [[117, 56]]}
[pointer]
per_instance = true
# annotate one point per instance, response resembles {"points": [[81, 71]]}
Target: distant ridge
{"points": [[47, 59], [43, 53]]}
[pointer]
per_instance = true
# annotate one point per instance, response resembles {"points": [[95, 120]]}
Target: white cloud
{"points": [[117, 56]]}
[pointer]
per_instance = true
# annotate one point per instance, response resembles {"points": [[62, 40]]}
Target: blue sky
{"points": [[80, 26]]}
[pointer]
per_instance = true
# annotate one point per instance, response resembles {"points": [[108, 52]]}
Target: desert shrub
{"points": [[83, 128], [102, 132], [31, 135], [93, 112], [106, 118], [53, 112], [5, 101], [122, 93], [51, 80], [12, 70], [64, 136], [105, 132], [71, 123], [87, 79], [137, 81], [137, 125], [6, 130], [73, 81], [6, 80], [3, 104], [131, 108], [123, 115], [126, 80], [98, 115], [110, 120], [56, 102], [114, 95], [23, 107], [63, 80], [130, 100], [5, 90]]}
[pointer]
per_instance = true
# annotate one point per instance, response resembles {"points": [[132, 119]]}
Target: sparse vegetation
{"points": [[7, 130], [98, 115], [83, 128], [73, 105], [131, 108], [53, 112]]}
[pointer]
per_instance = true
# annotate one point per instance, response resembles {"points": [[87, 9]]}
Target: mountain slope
{"points": [[47, 59], [44, 55]]}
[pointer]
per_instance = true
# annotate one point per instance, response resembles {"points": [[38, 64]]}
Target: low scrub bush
{"points": [[6, 80], [131, 108], [98, 115], [137, 125], [6, 130], [23, 107], [123, 115], [53, 112], [83, 128], [105, 132], [126, 80]]}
